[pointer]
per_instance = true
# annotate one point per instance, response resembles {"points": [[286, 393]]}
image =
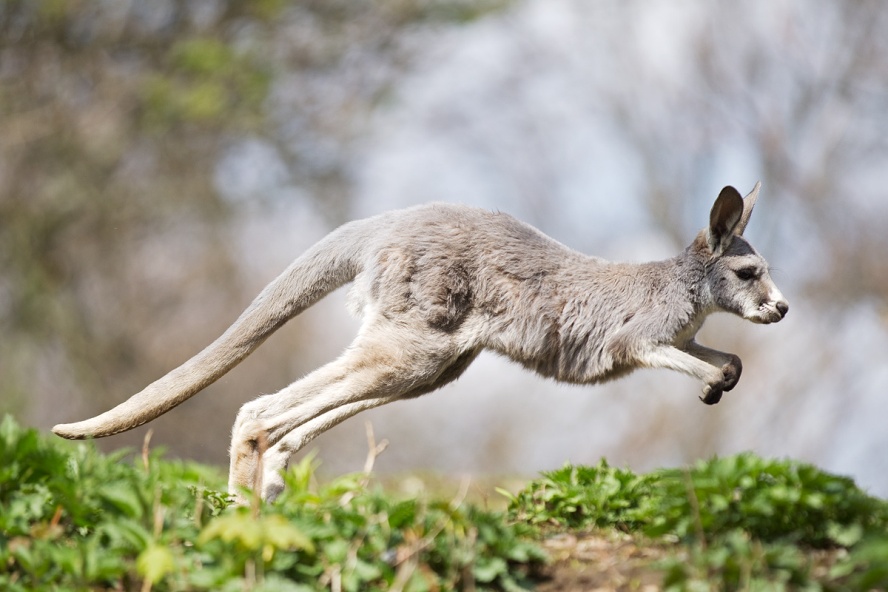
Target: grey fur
{"points": [[437, 284]]}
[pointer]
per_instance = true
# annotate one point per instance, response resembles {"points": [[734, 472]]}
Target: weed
{"points": [[747, 522], [75, 519]]}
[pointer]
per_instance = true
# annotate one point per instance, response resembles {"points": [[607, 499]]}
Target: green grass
{"points": [[74, 519], [744, 522]]}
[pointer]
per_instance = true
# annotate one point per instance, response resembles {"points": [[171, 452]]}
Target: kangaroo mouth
{"points": [[769, 312]]}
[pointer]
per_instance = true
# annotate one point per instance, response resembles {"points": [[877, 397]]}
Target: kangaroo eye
{"points": [[747, 273]]}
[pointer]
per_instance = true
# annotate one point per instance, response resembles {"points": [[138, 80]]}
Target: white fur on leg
{"points": [[277, 457]]}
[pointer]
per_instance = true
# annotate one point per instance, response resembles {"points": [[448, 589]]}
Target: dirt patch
{"points": [[593, 562]]}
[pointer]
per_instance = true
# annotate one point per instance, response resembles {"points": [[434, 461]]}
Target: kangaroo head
{"points": [[738, 277]]}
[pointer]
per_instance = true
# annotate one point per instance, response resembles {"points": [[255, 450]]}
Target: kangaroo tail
{"points": [[330, 263]]}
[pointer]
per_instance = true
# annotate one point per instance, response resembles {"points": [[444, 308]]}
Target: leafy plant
{"points": [[748, 522], [73, 518], [581, 497], [770, 500]]}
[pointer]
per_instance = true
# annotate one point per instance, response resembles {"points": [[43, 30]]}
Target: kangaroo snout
{"points": [[782, 307], [772, 312]]}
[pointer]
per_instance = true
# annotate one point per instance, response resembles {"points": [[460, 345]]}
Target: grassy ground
{"points": [[74, 519]]}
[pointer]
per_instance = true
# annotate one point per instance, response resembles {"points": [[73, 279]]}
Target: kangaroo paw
{"points": [[712, 394], [732, 371]]}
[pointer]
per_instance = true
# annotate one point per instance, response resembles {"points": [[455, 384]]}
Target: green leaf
{"points": [[402, 513], [123, 497], [276, 583], [237, 527], [336, 550], [155, 562], [281, 534], [506, 494], [844, 535], [486, 570]]}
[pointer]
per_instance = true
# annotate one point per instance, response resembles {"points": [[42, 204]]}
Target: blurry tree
{"points": [[114, 117]]}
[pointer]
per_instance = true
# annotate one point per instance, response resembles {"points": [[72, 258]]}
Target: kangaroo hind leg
{"points": [[370, 373], [277, 457]]}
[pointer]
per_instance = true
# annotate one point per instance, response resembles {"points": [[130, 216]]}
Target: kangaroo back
{"points": [[330, 263]]}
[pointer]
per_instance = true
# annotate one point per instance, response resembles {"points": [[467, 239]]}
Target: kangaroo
{"points": [[437, 284]]}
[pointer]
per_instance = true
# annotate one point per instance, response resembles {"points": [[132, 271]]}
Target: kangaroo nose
{"points": [[782, 308]]}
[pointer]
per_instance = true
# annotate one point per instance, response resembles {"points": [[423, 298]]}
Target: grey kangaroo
{"points": [[437, 284]]}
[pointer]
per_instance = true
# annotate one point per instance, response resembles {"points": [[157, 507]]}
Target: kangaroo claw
{"points": [[712, 397]]}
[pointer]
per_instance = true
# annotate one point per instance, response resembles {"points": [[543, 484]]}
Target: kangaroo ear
{"points": [[748, 204], [724, 219]]}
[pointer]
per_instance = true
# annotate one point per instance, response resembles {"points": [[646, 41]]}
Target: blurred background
{"points": [[161, 161]]}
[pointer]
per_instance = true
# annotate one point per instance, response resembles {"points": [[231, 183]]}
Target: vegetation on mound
{"points": [[743, 521], [74, 519]]}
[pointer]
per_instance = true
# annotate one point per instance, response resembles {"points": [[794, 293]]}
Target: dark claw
{"points": [[712, 397]]}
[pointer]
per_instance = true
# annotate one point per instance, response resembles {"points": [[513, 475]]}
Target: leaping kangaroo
{"points": [[437, 284]]}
